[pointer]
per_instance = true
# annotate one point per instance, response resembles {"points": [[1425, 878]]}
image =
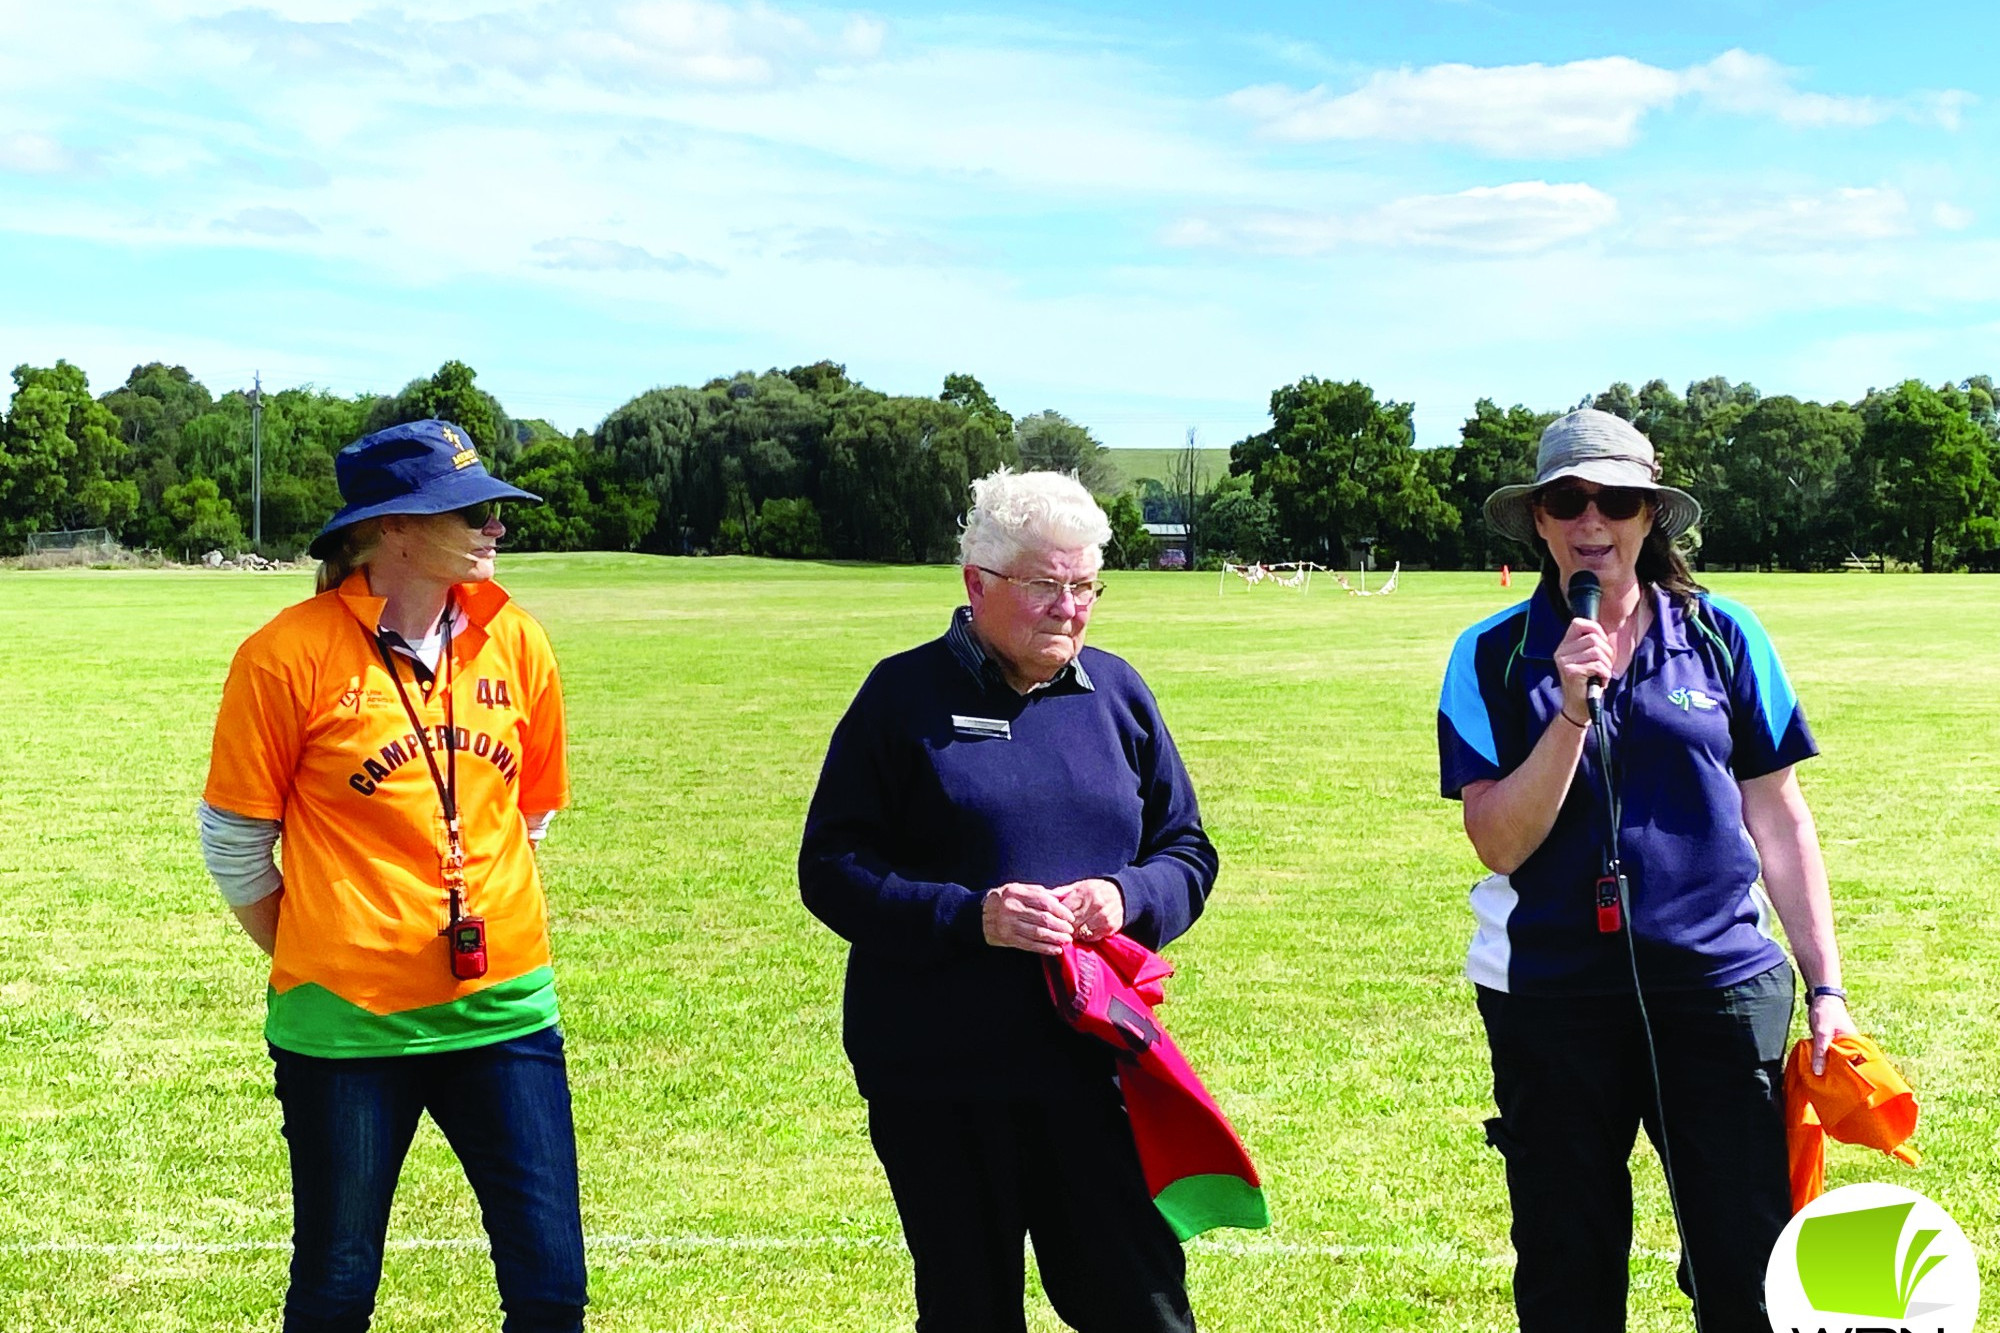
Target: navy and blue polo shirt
{"points": [[1702, 706]]}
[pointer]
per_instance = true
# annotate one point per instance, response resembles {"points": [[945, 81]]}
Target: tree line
{"points": [[1909, 473], [810, 463]]}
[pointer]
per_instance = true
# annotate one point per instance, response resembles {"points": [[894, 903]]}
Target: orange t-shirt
{"points": [[311, 732]]}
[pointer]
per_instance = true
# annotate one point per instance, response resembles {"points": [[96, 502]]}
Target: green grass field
{"points": [[728, 1183]]}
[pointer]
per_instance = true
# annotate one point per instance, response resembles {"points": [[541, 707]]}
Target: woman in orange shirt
{"points": [[402, 734]]}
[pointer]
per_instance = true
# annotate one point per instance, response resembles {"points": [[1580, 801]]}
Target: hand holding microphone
{"points": [[1584, 658]]}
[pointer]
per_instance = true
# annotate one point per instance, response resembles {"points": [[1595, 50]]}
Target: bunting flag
{"points": [[1860, 1099], [1196, 1169]]}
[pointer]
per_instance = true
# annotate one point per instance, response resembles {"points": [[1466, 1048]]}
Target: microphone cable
{"points": [[1613, 809]]}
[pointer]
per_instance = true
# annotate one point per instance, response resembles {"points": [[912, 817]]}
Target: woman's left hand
{"points": [[1099, 905], [1827, 1018]]}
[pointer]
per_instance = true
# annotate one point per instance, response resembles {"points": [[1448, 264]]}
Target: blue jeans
{"points": [[505, 1111]]}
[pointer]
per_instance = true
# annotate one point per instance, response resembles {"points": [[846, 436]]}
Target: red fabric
{"points": [[1860, 1099], [1108, 990]]}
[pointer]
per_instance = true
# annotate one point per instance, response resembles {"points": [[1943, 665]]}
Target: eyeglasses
{"points": [[1616, 503], [479, 515], [1049, 591]]}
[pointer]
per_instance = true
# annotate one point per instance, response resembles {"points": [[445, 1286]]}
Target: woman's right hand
{"points": [[1027, 916], [1583, 655]]}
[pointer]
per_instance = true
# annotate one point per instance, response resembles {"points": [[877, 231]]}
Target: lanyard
{"points": [[1607, 787], [445, 781], [1613, 892]]}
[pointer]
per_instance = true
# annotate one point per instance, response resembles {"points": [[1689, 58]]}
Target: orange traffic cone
{"points": [[1506, 577]]}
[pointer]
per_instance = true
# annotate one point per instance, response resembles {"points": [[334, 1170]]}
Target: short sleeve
{"points": [[1767, 725], [1468, 746], [258, 734], [545, 755]]}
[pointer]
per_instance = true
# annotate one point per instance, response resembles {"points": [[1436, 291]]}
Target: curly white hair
{"points": [[1014, 513]]}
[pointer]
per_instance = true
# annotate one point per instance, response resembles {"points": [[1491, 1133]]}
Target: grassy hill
{"points": [[1133, 464]]}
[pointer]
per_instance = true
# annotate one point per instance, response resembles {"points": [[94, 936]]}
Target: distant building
{"points": [[1173, 539]]}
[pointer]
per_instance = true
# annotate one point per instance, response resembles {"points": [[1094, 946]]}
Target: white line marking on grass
{"points": [[479, 1243], [1438, 1253]]}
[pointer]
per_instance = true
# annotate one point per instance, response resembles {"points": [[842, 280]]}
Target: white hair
{"points": [[1014, 513]]}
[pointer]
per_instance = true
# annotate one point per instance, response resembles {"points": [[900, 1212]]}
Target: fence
{"points": [[86, 540]]}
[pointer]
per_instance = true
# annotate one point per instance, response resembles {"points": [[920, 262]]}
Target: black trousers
{"points": [[1572, 1082], [971, 1178]]}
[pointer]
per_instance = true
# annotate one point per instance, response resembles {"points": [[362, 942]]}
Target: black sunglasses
{"points": [[1616, 503], [479, 515]]}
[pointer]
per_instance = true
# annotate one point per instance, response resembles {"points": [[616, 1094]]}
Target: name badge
{"points": [[997, 727]]}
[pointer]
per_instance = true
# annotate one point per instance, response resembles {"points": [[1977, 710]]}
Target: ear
{"points": [[975, 585]]}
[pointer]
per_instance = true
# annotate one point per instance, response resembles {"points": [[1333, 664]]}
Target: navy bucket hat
{"points": [[419, 467]]}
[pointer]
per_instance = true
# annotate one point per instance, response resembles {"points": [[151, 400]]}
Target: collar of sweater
{"points": [[972, 655]]}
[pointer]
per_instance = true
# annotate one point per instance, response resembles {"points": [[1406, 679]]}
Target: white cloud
{"points": [[878, 249], [1586, 106], [1010, 178], [1515, 219], [579, 252], [278, 222], [1752, 85], [1951, 217], [1800, 222], [703, 42], [36, 154], [1077, 118], [1570, 110]]}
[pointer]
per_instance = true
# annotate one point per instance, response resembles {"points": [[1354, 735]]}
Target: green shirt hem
{"points": [[312, 1020]]}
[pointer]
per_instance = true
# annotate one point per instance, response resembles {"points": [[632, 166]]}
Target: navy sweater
{"points": [[917, 816]]}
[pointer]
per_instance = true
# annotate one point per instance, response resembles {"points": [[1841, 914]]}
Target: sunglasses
{"points": [[1616, 503], [479, 515]]}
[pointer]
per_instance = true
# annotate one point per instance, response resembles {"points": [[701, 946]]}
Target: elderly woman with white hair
{"points": [[990, 797]]}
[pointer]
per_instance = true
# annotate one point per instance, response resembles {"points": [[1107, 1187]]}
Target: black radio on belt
{"points": [[467, 936], [1609, 917]]}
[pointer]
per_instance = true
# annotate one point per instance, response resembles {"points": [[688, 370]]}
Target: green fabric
{"points": [[1194, 1204], [312, 1020]]}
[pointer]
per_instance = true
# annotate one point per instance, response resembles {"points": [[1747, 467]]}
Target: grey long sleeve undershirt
{"points": [[238, 851]]}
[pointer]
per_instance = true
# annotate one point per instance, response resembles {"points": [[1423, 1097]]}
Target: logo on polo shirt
{"points": [[1878, 1258], [1686, 700]]}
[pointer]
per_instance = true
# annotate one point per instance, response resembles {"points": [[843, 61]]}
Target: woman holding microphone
{"points": [[1624, 963]]}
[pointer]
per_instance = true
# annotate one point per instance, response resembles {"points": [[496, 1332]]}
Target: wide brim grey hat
{"points": [[1593, 446]]}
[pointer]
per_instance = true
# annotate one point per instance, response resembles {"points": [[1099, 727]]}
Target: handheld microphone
{"points": [[1586, 594]]}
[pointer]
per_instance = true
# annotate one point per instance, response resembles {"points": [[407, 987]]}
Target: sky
{"points": [[1144, 216]]}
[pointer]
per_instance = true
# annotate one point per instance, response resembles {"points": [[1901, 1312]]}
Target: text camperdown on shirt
{"points": [[311, 732]]}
